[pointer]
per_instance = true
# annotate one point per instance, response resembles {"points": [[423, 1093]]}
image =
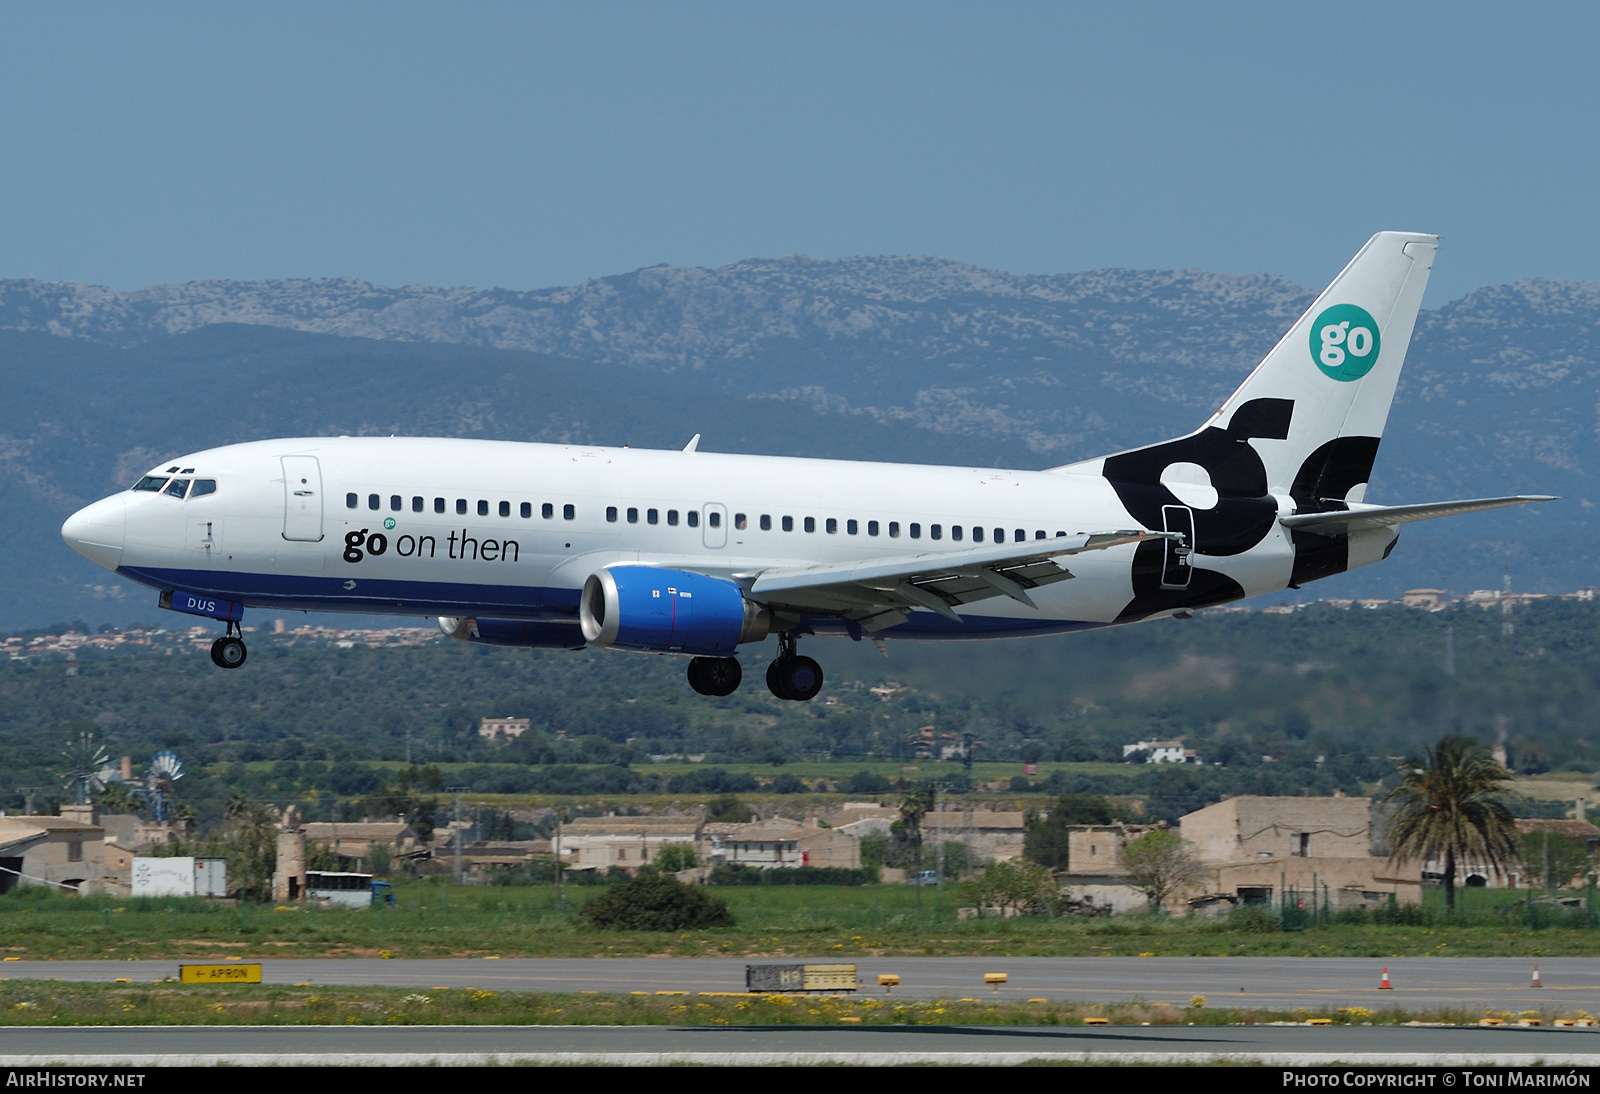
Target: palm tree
{"points": [[1447, 806]]}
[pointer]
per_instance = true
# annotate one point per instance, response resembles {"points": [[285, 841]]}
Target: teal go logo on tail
{"points": [[1344, 342]]}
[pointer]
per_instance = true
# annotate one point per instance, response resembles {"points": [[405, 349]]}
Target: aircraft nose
{"points": [[96, 531]]}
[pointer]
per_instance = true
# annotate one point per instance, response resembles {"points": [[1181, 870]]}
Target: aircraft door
{"points": [[1175, 570], [302, 499], [714, 528]]}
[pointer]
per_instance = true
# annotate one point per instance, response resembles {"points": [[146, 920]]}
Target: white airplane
{"points": [[693, 553]]}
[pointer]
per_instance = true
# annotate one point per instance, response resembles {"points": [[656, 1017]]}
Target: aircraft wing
{"points": [[1357, 519], [878, 593]]}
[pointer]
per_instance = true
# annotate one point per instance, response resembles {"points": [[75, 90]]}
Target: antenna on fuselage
{"points": [[694, 443]]}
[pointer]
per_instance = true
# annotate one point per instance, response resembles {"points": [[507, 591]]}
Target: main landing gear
{"points": [[791, 676], [715, 675], [228, 652]]}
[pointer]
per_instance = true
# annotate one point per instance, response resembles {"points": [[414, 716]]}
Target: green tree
{"points": [[1012, 888], [655, 902], [1045, 840], [914, 805], [1159, 864], [673, 857], [728, 809], [1447, 807], [1554, 859]]}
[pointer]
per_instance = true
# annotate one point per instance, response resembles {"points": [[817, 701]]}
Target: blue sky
{"points": [[528, 145]]}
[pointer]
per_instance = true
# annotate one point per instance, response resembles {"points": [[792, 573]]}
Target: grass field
{"points": [[438, 920], [48, 1003]]}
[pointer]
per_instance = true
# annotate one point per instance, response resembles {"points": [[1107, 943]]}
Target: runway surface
{"points": [[146, 1046], [1569, 983]]}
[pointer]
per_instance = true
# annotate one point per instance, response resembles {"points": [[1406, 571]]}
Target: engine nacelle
{"points": [[668, 611], [512, 632]]}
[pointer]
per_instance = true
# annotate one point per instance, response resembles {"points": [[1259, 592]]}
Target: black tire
{"points": [[802, 678], [775, 679], [697, 675], [794, 678], [721, 675], [228, 653]]}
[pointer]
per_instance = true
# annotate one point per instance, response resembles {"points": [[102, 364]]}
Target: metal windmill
{"points": [[164, 770], [86, 757]]}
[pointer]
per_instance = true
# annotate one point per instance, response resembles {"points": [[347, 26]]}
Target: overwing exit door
{"points": [[302, 499], [1175, 570], [715, 531]]}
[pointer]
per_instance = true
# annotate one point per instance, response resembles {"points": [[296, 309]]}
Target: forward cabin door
{"points": [[1175, 571], [302, 499]]}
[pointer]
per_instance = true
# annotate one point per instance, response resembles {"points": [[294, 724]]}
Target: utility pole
{"points": [[1449, 649], [456, 825], [1505, 607], [938, 830]]}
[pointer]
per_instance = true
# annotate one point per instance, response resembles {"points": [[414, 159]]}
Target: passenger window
{"points": [[483, 508], [156, 482], [1019, 536], [373, 501], [935, 531], [461, 506], [766, 522], [203, 487], [438, 505], [350, 500], [955, 534], [872, 527], [740, 522], [176, 487], [672, 517], [851, 527], [611, 514], [633, 516], [788, 524], [714, 519], [505, 509], [526, 509], [832, 526], [652, 516], [1061, 535], [894, 529], [811, 524], [569, 512], [1039, 534], [916, 531], [396, 503], [694, 518], [547, 510], [416, 504]]}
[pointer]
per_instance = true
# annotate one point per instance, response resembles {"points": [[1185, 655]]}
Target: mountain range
{"points": [[913, 359]]}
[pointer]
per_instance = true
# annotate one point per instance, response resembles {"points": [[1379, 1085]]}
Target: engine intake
{"points": [[668, 611]]}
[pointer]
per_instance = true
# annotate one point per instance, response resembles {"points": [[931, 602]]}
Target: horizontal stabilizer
{"points": [[1360, 517]]}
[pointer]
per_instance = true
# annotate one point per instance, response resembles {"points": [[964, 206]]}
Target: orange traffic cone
{"points": [[1536, 977], [1386, 986]]}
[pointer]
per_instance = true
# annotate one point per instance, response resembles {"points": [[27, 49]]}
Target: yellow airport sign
{"points": [[230, 973]]}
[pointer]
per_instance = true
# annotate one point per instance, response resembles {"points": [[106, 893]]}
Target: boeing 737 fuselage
{"points": [[695, 553]]}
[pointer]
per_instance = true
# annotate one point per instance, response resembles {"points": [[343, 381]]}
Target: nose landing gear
{"points": [[228, 652], [791, 676], [715, 675]]}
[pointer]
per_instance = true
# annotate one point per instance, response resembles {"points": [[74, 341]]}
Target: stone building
{"points": [[62, 853]]}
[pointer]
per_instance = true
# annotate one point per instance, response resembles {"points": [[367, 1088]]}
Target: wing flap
{"points": [[877, 593], [1345, 521]]}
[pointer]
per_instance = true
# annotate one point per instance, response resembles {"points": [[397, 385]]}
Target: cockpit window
{"points": [[202, 487], [151, 483], [176, 487]]}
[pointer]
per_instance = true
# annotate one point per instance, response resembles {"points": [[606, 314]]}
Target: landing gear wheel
{"points": [[795, 678], [715, 675], [228, 653]]}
